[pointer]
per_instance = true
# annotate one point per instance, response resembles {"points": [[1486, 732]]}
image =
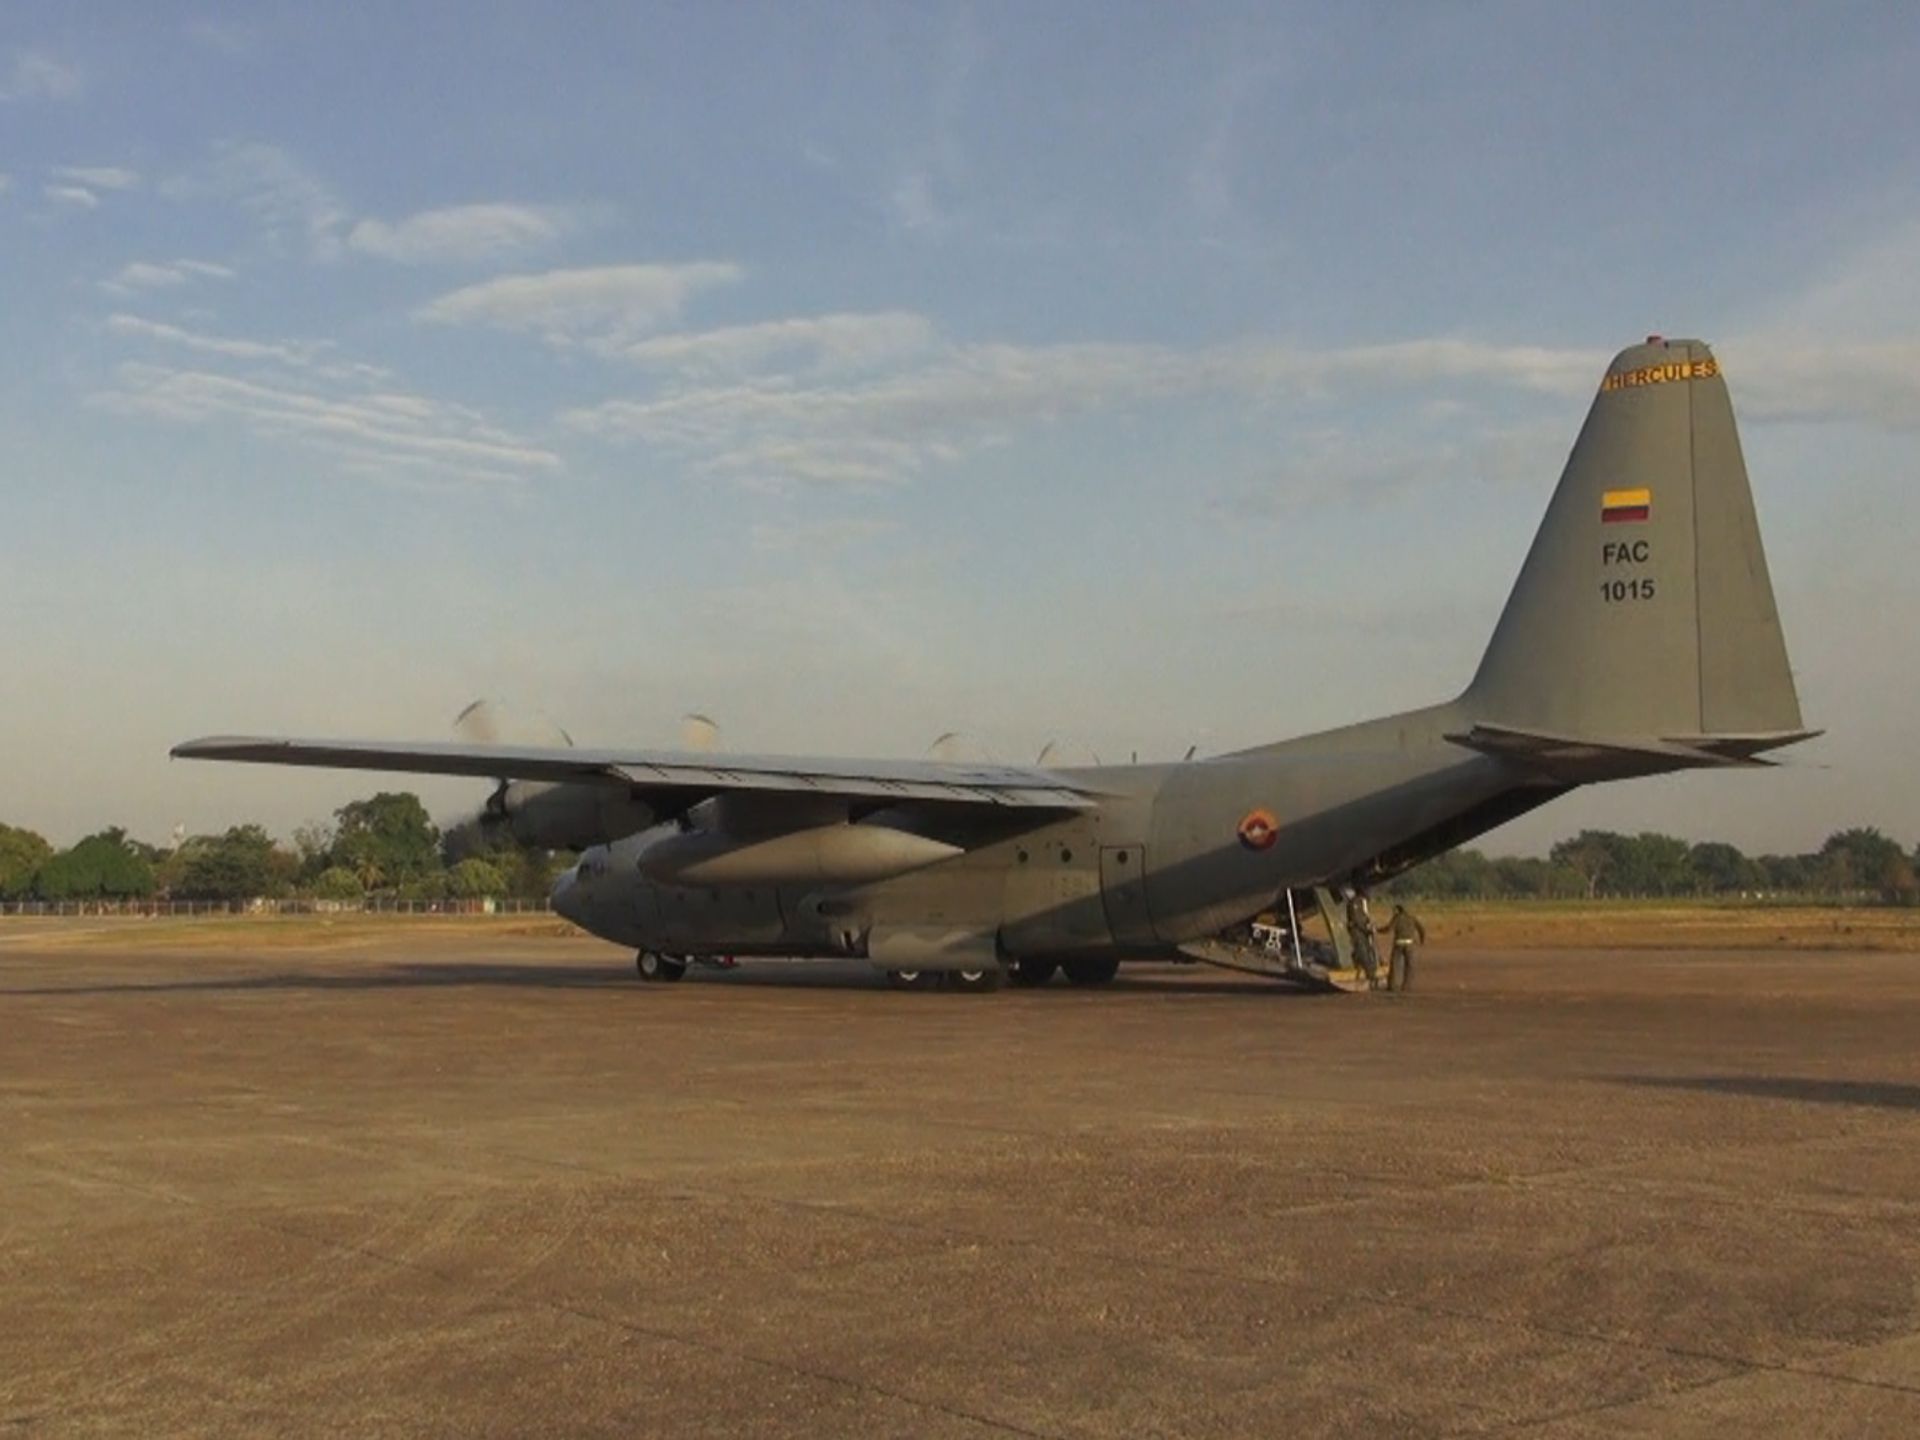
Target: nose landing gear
{"points": [[658, 969]]}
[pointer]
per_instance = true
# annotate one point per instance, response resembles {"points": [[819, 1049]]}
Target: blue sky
{"points": [[1131, 376]]}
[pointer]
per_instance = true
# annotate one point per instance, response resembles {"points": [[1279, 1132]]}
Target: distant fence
{"points": [[65, 908]]}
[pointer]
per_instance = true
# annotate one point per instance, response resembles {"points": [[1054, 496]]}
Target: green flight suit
{"points": [[1360, 936], [1406, 928]]}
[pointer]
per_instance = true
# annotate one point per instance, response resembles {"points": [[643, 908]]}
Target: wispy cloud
{"points": [[458, 233], [300, 356], [1846, 347], [1875, 383], [819, 536], [151, 275], [920, 199], [317, 356], [828, 342], [36, 75], [98, 177], [958, 399], [912, 206], [1375, 463], [606, 308], [225, 37], [388, 435], [938, 403], [300, 209], [1214, 174], [76, 196], [299, 391], [294, 205]]}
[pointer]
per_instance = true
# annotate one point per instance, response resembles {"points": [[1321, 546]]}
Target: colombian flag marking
{"points": [[1619, 506]]}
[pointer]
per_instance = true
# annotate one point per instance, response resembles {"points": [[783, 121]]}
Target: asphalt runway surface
{"points": [[471, 1183]]}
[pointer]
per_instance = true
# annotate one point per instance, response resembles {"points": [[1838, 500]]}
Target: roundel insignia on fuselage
{"points": [[1259, 829]]}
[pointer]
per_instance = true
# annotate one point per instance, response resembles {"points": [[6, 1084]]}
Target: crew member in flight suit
{"points": [[1360, 935], [1406, 928]]}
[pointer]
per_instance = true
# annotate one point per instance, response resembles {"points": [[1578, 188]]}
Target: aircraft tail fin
{"points": [[1644, 613]]}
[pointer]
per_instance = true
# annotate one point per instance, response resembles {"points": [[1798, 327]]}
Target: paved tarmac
{"points": [[467, 1183]]}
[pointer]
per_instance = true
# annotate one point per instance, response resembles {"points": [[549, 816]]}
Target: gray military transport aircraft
{"points": [[1640, 638]]}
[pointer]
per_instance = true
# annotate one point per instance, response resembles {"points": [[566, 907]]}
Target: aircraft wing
{"points": [[671, 777]]}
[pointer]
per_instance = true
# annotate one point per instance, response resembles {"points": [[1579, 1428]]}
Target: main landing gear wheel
{"points": [[974, 981], [913, 979], [1091, 972], [658, 969], [1032, 972]]}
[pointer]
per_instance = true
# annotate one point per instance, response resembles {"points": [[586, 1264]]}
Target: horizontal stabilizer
{"points": [[1581, 759]]}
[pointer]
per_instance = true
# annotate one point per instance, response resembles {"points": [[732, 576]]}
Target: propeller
{"points": [[489, 722], [548, 814], [699, 733], [1063, 753], [955, 748]]}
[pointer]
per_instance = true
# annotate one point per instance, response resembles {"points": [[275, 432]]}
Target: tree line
{"points": [[385, 846], [1857, 864]]}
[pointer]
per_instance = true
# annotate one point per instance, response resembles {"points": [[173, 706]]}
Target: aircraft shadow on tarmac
{"points": [[390, 977], [1875, 1094], [810, 975]]}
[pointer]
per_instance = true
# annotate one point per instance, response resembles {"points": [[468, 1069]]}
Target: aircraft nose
{"points": [[562, 897]]}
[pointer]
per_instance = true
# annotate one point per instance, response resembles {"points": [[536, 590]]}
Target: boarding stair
{"points": [[1275, 948]]}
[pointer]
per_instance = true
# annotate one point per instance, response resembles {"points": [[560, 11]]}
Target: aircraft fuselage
{"points": [[1171, 853]]}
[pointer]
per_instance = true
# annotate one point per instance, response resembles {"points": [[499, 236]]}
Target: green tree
{"points": [[1787, 872], [338, 883], [1591, 855], [532, 874], [102, 866], [313, 845], [1521, 875], [475, 879], [1650, 864], [242, 864], [469, 839], [1720, 869], [424, 887], [22, 853], [1857, 859], [387, 841], [1896, 880]]}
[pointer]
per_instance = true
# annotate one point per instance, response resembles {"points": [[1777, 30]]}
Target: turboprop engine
{"points": [[549, 815]]}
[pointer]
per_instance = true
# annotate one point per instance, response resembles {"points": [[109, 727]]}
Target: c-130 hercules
{"points": [[1641, 637]]}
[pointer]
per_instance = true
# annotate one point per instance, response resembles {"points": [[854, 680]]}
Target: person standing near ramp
{"points": [[1360, 936], [1405, 927]]}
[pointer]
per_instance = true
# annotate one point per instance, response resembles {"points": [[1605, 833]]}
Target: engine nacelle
{"points": [[550, 815], [839, 854]]}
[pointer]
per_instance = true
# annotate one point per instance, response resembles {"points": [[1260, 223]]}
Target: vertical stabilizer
{"points": [[1644, 609]]}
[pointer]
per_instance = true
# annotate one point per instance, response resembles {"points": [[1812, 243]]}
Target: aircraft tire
{"points": [[913, 979], [658, 969], [1030, 973], [974, 982], [1091, 972]]}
